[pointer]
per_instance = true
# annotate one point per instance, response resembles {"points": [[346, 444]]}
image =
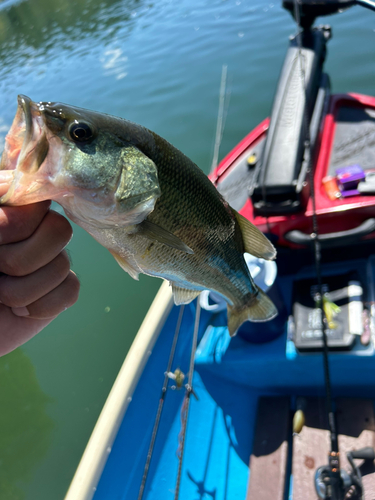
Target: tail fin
{"points": [[259, 308]]}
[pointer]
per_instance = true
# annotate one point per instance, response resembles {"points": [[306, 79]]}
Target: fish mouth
{"points": [[24, 103], [26, 147], [19, 135]]}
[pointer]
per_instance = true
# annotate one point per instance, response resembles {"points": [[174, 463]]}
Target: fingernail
{"points": [[20, 311]]}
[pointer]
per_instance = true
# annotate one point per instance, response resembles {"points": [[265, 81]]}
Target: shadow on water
{"points": [[32, 22], [32, 28], [26, 428], [40, 37]]}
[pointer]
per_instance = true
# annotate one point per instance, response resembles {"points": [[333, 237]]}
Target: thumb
{"points": [[6, 177]]}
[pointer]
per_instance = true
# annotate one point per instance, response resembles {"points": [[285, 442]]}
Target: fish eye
{"points": [[80, 132]]}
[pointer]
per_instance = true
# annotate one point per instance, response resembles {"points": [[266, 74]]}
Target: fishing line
{"points": [[187, 397], [161, 403], [333, 458]]}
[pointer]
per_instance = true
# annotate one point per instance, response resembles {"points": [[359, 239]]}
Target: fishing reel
{"points": [[347, 480]]}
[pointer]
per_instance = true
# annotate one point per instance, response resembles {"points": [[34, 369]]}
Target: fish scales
{"points": [[191, 208]]}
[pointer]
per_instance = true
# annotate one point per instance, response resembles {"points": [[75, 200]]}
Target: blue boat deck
{"points": [[230, 375], [218, 441]]}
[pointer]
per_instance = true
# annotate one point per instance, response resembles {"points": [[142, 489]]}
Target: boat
{"points": [[285, 409]]}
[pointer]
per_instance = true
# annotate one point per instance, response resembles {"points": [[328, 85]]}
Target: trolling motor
{"points": [[280, 181], [309, 10], [323, 479]]}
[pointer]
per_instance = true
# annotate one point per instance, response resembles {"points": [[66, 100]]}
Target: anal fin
{"points": [[183, 295]]}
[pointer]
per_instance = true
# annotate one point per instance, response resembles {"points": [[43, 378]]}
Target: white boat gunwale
{"points": [[91, 465]]}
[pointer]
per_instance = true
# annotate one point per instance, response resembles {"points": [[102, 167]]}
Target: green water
{"points": [[158, 64]]}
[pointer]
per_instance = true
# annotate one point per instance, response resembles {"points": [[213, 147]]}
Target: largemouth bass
{"points": [[141, 198]]}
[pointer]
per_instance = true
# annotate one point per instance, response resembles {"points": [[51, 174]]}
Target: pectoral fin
{"points": [[156, 233], [254, 240], [183, 295]]}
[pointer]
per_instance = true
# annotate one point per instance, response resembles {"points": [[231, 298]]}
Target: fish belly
{"points": [[194, 272]]}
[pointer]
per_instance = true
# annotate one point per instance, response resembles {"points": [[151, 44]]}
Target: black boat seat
{"points": [[280, 183]]}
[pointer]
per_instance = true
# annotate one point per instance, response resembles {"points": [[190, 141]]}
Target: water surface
{"points": [[158, 64]]}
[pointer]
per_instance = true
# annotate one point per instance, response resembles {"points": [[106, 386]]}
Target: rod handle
{"points": [[367, 453]]}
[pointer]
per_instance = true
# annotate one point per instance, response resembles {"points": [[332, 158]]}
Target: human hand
{"points": [[36, 283]]}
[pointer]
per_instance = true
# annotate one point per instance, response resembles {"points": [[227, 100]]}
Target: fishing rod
{"points": [[221, 116], [187, 398], [334, 455], [161, 404], [185, 406], [331, 482]]}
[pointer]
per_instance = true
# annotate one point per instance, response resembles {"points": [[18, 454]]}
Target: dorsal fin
{"points": [[254, 240]]}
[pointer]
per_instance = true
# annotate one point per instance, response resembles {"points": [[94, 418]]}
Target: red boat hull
{"points": [[333, 215]]}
